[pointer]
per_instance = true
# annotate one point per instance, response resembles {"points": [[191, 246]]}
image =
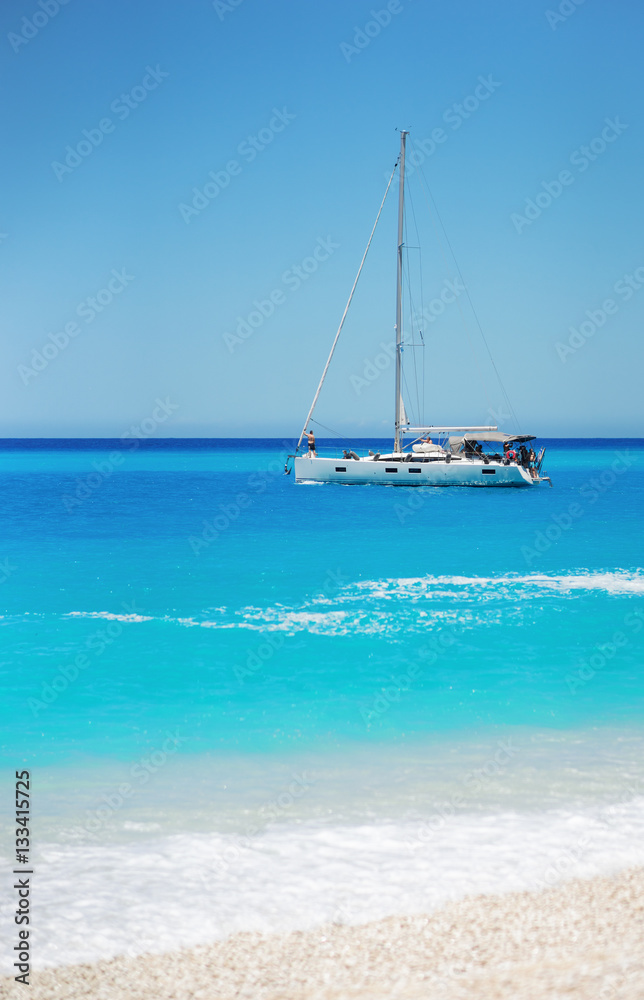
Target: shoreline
{"points": [[581, 939]]}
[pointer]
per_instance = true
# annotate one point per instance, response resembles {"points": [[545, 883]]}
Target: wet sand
{"points": [[584, 939]]}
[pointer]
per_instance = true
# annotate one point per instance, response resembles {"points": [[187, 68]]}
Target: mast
{"points": [[401, 209]]}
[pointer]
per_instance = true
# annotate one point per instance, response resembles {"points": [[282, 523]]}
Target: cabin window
{"points": [[489, 472], [415, 470], [340, 468], [391, 470]]}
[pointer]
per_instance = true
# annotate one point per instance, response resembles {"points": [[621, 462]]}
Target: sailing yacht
{"points": [[437, 455]]}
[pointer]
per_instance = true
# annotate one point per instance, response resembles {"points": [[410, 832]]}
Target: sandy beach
{"points": [[580, 940]]}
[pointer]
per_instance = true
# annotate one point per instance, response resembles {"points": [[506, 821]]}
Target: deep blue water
{"points": [[274, 705], [309, 582]]}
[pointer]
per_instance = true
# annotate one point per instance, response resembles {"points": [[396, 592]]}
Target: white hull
{"points": [[458, 472]]}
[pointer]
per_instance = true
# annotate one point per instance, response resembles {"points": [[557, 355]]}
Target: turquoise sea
{"points": [[251, 704]]}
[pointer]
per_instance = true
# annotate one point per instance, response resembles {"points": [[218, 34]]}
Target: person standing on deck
{"points": [[311, 440], [532, 462]]}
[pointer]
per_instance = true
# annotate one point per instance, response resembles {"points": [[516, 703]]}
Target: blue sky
{"points": [[285, 114]]}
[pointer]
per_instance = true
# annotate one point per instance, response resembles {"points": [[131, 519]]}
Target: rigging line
{"points": [[419, 247], [478, 322], [410, 295], [410, 199], [474, 313], [404, 379], [346, 309], [405, 391], [330, 429], [411, 303], [458, 303], [422, 301], [411, 343]]}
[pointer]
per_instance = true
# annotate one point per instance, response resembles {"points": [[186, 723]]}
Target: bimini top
{"points": [[497, 436]]}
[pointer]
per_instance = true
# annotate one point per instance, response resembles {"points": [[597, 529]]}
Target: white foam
{"points": [[364, 607], [176, 891], [109, 616], [616, 582]]}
